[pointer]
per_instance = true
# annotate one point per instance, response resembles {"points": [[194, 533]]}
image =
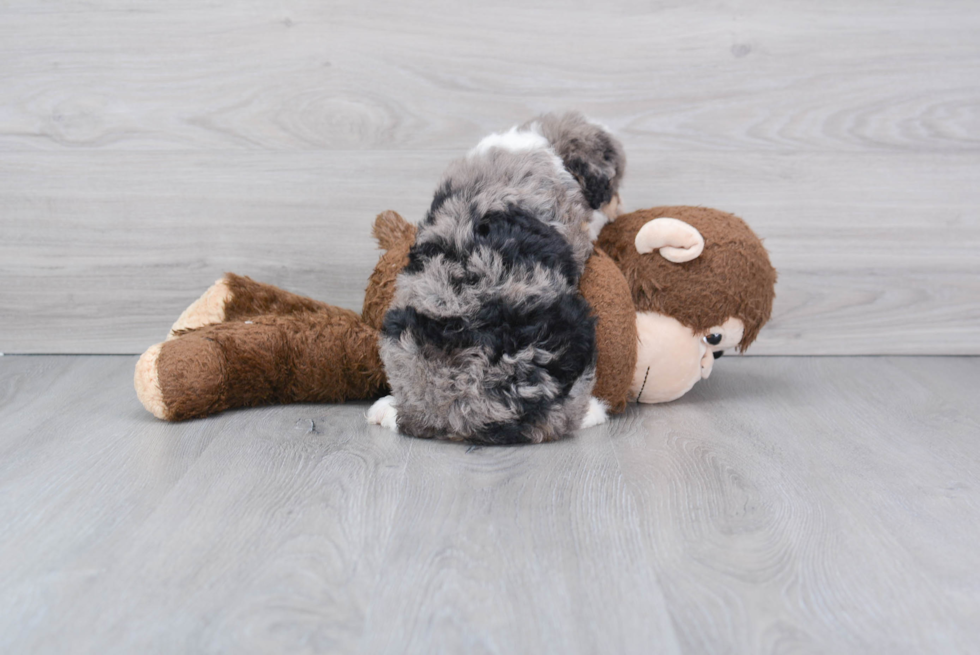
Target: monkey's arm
{"points": [[395, 236], [606, 289], [324, 356]]}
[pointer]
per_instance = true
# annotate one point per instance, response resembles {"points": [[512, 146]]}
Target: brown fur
{"points": [[278, 347], [296, 349], [395, 235], [731, 278], [322, 356], [250, 298], [604, 286]]}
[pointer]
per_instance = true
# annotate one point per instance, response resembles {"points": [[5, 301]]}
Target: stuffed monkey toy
{"points": [[244, 344], [671, 288]]}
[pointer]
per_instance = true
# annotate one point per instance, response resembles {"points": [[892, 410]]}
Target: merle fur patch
{"points": [[488, 338]]}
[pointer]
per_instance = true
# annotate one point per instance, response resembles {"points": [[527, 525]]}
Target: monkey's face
{"points": [[701, 283], [671, 357]]}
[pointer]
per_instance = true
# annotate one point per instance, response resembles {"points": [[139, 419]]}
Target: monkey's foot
{"points": [[209, 309], [147, 383]]}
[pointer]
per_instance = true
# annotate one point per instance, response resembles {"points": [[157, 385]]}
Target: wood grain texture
{"points": [[864, 475], [387, 75], [143, 153], [115, 252], [784, 505]]}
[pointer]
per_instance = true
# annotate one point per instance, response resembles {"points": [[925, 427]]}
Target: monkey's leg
{"points": [[236, 297], [328, 356]]}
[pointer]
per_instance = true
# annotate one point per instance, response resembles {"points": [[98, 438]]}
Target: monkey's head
{"points": [[701, 283]]}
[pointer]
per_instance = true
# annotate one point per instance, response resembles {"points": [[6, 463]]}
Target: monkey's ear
{"points": [[677, 241]]}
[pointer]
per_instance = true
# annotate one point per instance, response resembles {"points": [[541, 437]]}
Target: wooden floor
{"points": [[785, 505]]}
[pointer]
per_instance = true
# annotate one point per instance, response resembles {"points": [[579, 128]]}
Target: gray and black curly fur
{"points": [[488, 339]]}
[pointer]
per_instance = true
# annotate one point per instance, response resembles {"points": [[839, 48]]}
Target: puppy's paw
{"points": [[596, 414], [209, 309], [383, 413]]}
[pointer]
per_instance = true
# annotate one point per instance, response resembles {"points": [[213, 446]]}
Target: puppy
{"points": [[488, 339]]}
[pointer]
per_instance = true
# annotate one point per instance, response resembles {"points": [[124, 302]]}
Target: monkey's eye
{"points": [[713, 339]]}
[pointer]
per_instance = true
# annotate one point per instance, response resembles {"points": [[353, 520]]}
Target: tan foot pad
{"points": [[147, 382], [206, 310]]}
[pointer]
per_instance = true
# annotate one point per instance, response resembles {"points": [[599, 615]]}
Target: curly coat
{"points": [[488, 338]]}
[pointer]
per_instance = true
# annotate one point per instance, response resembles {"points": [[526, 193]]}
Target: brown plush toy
{"points": [[701, 282], [246, 344]]}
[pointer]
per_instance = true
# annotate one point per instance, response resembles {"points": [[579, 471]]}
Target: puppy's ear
{"points": [[589, 151]]}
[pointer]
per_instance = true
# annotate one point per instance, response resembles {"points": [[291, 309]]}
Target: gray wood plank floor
{"points": [[143, 152], [785, 505]]}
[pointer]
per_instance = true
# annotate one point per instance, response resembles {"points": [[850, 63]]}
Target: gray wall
{"points": [[145, 151]]}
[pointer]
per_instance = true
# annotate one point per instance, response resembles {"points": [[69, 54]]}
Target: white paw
{"points": [[596, 414], [383, 413]]}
